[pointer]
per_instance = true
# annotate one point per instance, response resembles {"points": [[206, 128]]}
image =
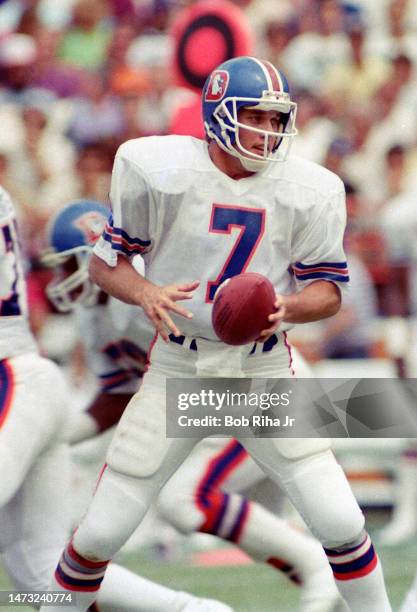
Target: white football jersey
{"points": [[15, 336], [190, 221], [116, 338]]}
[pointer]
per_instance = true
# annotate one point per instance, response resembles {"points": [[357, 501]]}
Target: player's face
{"points": [[263, 120]]}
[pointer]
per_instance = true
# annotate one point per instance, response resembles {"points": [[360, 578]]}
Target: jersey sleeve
{"points": [[317, 249], [128, 231]]}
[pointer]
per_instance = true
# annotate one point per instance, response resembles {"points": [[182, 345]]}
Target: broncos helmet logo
{"points": [[217, 86], [91, 224]]}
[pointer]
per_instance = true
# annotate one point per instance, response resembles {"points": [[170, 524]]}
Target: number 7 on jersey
{"points": [[251, 225]]}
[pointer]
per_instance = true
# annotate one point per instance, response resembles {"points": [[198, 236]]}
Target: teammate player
{"points": [[33, 457], [177, 201], [203, 494]]}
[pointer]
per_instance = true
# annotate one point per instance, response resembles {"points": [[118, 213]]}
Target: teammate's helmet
{"points": [[71, 236], [248, 82]]}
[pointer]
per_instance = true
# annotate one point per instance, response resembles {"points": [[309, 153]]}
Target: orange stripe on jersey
{"points": [[7, 386]]}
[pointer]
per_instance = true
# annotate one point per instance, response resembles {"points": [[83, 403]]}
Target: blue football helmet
{"points": [[244, 82], [71, 236]]}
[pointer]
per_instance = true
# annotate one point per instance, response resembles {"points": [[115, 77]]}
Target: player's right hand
{"points": [[158, 301]]}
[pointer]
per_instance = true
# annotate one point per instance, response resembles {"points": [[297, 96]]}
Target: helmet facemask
{"points": [[226, 116], [71, 284]]}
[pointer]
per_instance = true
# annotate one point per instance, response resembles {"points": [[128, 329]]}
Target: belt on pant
{"points": [[193, 343]]}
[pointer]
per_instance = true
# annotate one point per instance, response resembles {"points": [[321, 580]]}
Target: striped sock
{"points": [[79, 576], [225, 515], [359, 577], [289, 571], [353, 562]]}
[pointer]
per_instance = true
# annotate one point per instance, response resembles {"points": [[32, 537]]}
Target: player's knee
{"points": [[348, 545], [342, 529], [139, 445], [94, 544], [178, 508]]}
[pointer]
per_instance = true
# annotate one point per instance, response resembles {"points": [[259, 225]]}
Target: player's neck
{"points": [[227, 163]]}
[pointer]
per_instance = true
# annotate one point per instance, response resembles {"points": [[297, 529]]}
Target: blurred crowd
{"points": [[78, 77]]}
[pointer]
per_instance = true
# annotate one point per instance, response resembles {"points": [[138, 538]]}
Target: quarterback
{"points": [[199, 213], [203, 495]]}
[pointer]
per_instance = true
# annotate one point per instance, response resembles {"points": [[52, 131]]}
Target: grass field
{"points": [[255, 587]]}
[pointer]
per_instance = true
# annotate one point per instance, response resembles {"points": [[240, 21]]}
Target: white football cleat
{"points": [[199, 604]]}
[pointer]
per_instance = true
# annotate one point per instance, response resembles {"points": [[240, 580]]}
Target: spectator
{"points": [[351, 334], [323, 43], [49, 73], [85, 43], [17, 61], [399, 225], [315, 131], [356, 80], [90, 179], [97, 113]]}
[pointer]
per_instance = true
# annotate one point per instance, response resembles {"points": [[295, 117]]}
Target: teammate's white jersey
{"points": [[15, 336], [116, 338], [190, 221]]}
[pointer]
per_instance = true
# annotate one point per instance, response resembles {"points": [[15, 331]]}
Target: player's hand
{"points": [[275, 318], [157, 302]]}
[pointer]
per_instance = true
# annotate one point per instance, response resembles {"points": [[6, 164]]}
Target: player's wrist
{"points": [[290, 305], [144, 292]]}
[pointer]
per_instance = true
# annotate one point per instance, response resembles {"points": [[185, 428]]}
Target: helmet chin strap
{"points": [[253, 165]]}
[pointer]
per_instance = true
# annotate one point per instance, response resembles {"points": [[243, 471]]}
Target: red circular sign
{"points": [[205, 35]]}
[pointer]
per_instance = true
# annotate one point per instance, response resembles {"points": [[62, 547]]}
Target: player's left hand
{"points": [[275, 318]]}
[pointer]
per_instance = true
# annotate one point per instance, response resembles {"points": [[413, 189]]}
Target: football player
{"points": [[33, 455], [202, 495], [177, 201]]}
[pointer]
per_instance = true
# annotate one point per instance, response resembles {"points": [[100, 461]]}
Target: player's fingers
{"points": [[278, 315], [266, 333], [167, 321], [178, 309], [159, 326], [188, 286], [182, 292], [279, 301], [180, 295]]}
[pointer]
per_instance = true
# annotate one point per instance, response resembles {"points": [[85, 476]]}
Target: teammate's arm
{"points": [[126, 284]]}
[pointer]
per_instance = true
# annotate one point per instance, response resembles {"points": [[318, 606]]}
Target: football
{"points": [[241, 308]]}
